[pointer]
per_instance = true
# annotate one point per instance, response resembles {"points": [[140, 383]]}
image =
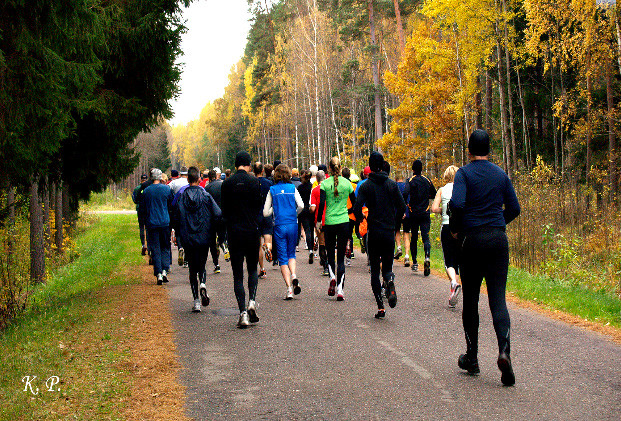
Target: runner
{"points": [[266, 224], [314, 208], [334, 193], [306, 218], [176, 185], [450, 245], [349, 249], [136, 198], [480, 191], [157, 199], [198, 216], [214, 188], [386, 206], [405, 222], [284, 202], [420, 190], [241, 209]]}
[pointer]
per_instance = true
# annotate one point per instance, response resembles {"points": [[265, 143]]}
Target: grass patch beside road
{"points": [[73, 332]]}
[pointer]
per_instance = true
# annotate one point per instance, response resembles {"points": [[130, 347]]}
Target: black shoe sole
{"points": [[332, 288], [159, 282], [380, 314], [427, 270], [252, 315], [165, 279], [398, 255], [296, 287], [471, 368], [504, 365], [392, 294], [311, 258], [204, 298]]}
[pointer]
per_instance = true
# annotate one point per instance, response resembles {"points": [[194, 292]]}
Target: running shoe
{"points": [[297, 249], [427, 267], [316, 244], [252, 311], [332, 287], [262, 274], [267, 252], [339, 293], [353, 255], [391, 294], [414, 267], [289, 295], [504, 365], [347, 261], [144, 250], [348, 249], [159, 279], [275, 263], [453, 298], [164, 277], [406, 261], [196, 308], [296, 286], [225, 250], [363, 249], [204, 296], [185, 264], [181, 257], [380, 313], [216, 269], [311, 258], [470, 365], [244, 320], [398, 253], [326, 272]]}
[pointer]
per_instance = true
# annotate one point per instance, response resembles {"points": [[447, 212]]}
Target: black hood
{"points": [[378, 177], [192, 198]]}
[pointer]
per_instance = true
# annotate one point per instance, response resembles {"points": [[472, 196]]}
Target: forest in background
{"points": [[413, 78]]}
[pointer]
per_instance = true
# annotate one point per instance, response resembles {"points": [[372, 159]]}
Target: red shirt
{"points": [[315, 201], [204, 182]]}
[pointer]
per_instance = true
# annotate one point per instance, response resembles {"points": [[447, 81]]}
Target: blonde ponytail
{"points": [[335, 172]]}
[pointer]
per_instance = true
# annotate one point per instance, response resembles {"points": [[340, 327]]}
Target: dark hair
{"points": [[193, 174], [257, 168], [144, 177], [268, 170], [417, 167], [227, 172], [478, 143], [242, 159], [362, 176], [282, 173], [211, 175], [174, 173], [335, 172], [386, 167], [322, 168], [376, 161], [345, 172], [306, 176]]}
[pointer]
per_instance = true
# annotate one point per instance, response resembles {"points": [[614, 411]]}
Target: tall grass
{"points": [[112, 199]]}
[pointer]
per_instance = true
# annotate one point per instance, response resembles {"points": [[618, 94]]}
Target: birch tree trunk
{"points": [[37, 250], [503, 111], [612, 164], [376, 85]]}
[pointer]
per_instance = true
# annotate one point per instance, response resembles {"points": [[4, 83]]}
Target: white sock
{"points": [[453, 284], [293, 276]]}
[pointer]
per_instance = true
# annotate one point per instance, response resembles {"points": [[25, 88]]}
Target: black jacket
{"points": [[305, 192], [420, 190], [198, 213], [242, 206], [214, 188], [382, 197]]}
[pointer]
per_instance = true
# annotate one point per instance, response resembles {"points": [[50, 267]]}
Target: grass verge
{"points": [[81, 332]]}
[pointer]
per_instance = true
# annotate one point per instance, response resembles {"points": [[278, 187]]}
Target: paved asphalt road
{"points": [[316, 358]]}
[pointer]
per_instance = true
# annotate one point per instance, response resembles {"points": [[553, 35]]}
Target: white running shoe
{"points": [[244, 320], [347, 261], [339, 293], [164, 276], [197, 306], [252, 311], [160, 279], [454, 297], [289, 295], [204, 296]]}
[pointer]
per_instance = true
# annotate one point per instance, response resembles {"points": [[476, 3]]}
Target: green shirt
{"points": [[336, 206]]}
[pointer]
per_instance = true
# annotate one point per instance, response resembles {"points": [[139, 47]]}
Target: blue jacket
{"points": [[157, 199], [198, 212], [283, 202]]}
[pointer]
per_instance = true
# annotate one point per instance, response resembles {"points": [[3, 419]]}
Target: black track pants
{"points": [[197, 258], [380, 247], [424, 223], [485, 254], [336, 239], [244, 246]]}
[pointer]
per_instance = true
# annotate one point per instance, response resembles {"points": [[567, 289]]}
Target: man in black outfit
{"points": [[421, 190], [241, 207], [386, 206], [480, 191], [214, 188]]}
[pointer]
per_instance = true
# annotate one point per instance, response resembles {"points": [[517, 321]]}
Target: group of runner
{"points": [[262, 211]]}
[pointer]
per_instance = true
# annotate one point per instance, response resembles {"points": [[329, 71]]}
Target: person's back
{"points": [[241, 202], [198, 212], [283, 201], [447, 193], [336, 204], [419, 189], [382, 197], [214, 188], [157, 198]]}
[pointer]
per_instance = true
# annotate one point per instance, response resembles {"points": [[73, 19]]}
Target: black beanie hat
{"points": [[242, 159], [478, 144], [417, 167], [376, 161]]}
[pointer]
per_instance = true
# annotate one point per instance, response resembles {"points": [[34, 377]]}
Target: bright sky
{"points": [[214, 42]]}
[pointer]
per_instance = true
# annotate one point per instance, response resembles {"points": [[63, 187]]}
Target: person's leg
{"points": [[374, 251], [280, 242], [154, 245], [215, 253], [330, 239], [143, 240], [471, 279], [165, 249], [448, 251], [252, 257], [292, 242], [425, 226], [496, 281], [323, 256], [387, 246], [192, 254], [238, 252], [414, 225], [342, 237]]}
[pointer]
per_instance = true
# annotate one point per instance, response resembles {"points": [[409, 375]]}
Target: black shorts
{"points": [[405, 224], [450, 249], [267, 226]]}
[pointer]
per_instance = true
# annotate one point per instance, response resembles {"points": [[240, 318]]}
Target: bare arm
{"points": [[436, 206]]}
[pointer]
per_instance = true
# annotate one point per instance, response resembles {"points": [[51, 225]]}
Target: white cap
{"points": [[217, 170]]}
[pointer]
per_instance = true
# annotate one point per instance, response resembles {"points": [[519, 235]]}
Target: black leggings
{"points": [[197, 258], [381, 248], [336, 238], [424, 223], [485, 254], [244, 245], [306, 222]]}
